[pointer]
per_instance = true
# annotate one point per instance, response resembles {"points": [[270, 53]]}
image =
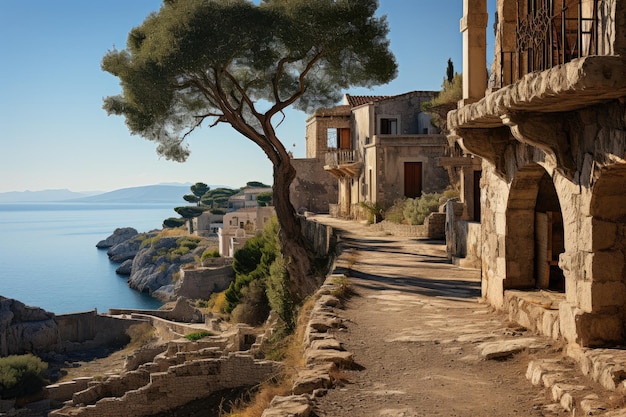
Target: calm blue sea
{"points": [[48, 255]]}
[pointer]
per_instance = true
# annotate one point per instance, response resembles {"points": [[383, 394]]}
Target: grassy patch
{"points": [[195, 336], [343, 288]]}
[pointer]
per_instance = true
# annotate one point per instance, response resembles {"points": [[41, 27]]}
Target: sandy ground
{"points": [[415, 326]]}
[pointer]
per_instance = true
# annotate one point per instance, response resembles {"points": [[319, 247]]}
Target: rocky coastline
{"points": [[149, 267]]}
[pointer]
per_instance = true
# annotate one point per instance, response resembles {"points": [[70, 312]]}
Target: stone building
{"points": [[246, 198], [549, 127], [240, 226], [378, 149]]}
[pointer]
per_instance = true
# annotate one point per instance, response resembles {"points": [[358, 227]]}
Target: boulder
{"points": [[126, 268], [119, 235], [313, 378], [123, 251], [293, 406], [25, 329]]}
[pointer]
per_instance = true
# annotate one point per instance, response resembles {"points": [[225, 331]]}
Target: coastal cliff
{"points": [[153, 263], [25, 329]]}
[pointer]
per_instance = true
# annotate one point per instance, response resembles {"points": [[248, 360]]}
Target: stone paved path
{"points": [[424, 344]]}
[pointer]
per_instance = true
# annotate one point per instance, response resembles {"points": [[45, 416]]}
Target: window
{"points": [[331, 138], [388, 126]]}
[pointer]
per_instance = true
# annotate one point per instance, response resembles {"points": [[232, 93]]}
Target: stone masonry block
{"points": [[607, 266], [595, 330], [500, 223], [567, 320], [607, 295], [584, 295], [597, 235]]}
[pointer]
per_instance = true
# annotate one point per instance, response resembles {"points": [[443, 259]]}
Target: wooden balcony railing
{"points": [[342, 157]]}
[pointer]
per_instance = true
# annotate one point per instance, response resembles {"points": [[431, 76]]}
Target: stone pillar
{"points": [[474, 30]]}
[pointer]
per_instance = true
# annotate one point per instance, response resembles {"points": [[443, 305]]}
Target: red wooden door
{"points": [[412, 179]]}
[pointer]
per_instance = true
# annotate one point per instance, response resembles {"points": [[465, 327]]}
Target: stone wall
{"points": [[200, 283], [313, 189], [320, 236], [182, 311], [463, 238], [433, 227], [142, 393], [89, 330], [391, 154]]}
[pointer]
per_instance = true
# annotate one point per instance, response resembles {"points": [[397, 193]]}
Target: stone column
{"points": [[474, 29]]}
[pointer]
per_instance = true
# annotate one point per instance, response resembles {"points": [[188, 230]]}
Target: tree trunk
{"points": [[294, 246]]}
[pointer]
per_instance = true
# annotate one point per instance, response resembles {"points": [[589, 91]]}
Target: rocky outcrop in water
{"points": [[119, 235], [25, 329], [150, 265], [154, 267]]}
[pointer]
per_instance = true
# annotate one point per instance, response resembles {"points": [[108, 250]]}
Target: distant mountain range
{"points": [[157, 194]]}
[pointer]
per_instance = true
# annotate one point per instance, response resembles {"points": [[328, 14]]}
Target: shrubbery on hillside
{"points": [[260, 281], [22, 375]]}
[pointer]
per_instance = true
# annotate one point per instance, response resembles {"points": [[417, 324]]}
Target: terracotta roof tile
{"points": [[355, 101]]}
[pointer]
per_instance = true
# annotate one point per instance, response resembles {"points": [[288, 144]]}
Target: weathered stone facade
{"points": [[378, 149], [313, 189], [552, 138]]}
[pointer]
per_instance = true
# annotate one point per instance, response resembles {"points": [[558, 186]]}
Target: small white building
{"points": [[246, 198], [207, 224], [241, 225]]}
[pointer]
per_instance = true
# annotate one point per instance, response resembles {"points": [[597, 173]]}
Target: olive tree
{"points": [[206, 62]]}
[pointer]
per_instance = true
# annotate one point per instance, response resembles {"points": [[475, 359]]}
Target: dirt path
{"points": [[417, 330]]}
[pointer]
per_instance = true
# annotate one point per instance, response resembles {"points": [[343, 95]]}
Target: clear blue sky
{"points": [[54, 133]]}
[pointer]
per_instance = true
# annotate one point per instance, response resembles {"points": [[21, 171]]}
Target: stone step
{"points": [[570, 389]]}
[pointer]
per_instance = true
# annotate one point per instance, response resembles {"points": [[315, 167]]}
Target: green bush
{"points": [[253, 308], [173, 223], [252, 263], [417, 209], [198, 335], [451, 193], [22, 375], [395, 213], [210, 253], [278, 294], [374, 211]]}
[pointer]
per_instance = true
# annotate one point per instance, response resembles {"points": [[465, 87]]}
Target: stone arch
{"points": [[534, 236]]}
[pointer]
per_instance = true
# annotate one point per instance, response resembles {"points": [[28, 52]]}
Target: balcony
{"points": [[343, 163], [550, 33]]}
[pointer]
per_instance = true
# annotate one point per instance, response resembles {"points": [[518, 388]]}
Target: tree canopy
{"points": [[447, 99], [198, 62]]}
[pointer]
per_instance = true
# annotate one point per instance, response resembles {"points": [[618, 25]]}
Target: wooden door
{"points": [[412, 179], [344, 139], [477, 175]]}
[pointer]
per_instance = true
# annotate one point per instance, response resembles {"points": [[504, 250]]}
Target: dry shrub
{"points": [[174, 232], [260, 400], [292, 359], [217, 302], [140, 334], [253, 308], [343, 288]]}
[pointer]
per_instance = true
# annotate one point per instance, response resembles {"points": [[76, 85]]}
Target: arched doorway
{"points": [[534, 232]]}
